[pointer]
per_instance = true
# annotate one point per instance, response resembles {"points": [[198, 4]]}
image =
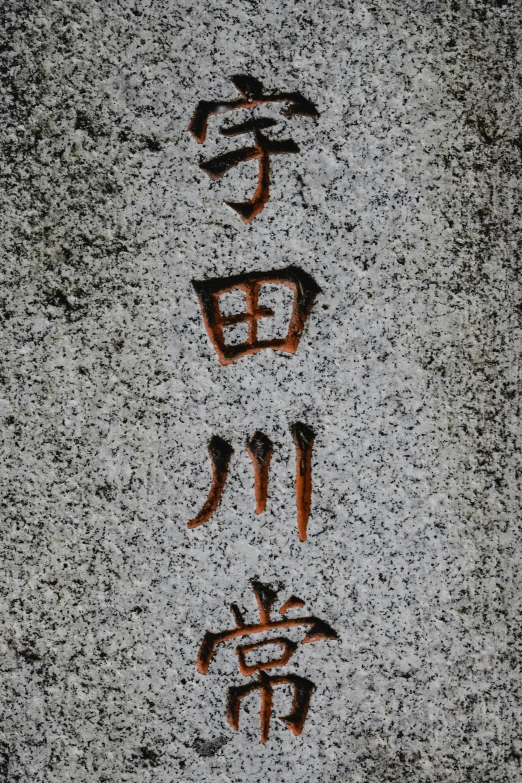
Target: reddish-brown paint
{"points": [[260, 449], [292, 603], [264, 148], [305, 290], [265, 598], [252, 91], [294, 721], [220, 452], [303, 437], [318, 630], [289, 648], [302, 688], [247, 210]]}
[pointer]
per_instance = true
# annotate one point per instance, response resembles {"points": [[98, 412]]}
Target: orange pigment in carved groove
{"points": [[219, 452], [260, 449]]}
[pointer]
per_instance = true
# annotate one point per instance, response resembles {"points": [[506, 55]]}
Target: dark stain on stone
{"points": [[29, 655], [147, 757], [86, 123], [486, 137], [69, 305], [151, 144], [107, 492], [209, 747]]}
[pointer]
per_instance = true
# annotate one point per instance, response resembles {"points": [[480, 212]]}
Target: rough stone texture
{"points": [[404, 206]]}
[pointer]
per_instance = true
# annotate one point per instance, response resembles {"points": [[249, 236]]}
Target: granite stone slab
{"points": [[403, 205]]}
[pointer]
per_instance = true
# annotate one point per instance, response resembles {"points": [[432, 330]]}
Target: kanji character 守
{"points": [[252, 96]]}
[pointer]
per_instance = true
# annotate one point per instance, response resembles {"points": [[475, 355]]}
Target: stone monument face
{"points": [[260, 330]]}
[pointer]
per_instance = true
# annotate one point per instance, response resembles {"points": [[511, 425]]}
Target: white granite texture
{"points": [[404, 206]]}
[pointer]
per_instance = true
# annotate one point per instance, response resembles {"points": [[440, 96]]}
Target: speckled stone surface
{"points": [[404, 206]]}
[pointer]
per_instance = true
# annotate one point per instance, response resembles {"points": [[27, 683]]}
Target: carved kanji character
{"points": [[302, 688], [252, 97], [304, 288], [260, 449]]}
